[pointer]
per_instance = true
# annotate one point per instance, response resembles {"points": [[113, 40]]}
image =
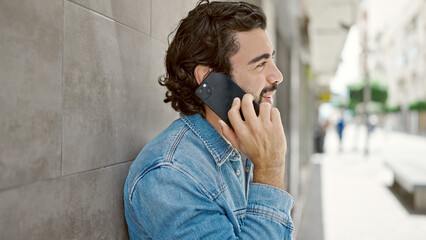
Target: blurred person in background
{"points": [[339, 127], [200, 179], [320, 131]]}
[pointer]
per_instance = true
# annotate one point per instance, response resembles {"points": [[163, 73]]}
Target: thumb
{"points": [[229, 134]]}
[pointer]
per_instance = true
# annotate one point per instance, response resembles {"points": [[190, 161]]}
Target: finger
{"points": [[275, 115], [235, 116], [265, 112], [229, 134], [247, 107]]}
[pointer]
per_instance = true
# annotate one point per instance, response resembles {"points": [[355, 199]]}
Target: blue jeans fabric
{"points": [[189, 183]]}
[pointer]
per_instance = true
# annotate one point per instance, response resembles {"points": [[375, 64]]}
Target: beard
{"points": [[263, 92], [266, 90]]}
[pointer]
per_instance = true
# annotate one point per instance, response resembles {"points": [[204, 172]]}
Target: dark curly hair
{"points": [[206, 37]]}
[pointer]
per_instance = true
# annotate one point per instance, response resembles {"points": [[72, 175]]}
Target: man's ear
{"points": [[201, 72]]}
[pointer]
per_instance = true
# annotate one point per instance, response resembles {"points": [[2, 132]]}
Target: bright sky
{"points": [[380, 14], [348, 70]]}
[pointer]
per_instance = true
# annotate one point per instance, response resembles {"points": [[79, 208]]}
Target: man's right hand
{"points": [[260, 138]]}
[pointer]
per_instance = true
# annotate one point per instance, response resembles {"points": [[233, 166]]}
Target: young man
{"points": [[200, 179]]}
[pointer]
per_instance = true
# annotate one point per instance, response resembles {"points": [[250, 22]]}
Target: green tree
{"points": [[379, 94], [418, 106]]}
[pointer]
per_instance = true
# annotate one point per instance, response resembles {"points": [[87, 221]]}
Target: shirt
{"points": [[188, 183]]}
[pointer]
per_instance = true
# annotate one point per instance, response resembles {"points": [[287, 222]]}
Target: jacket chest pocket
{"points": [[235, 208], [240, 216]]}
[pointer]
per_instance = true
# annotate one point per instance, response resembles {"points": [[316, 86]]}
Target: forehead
{"points": [[251, 44]]}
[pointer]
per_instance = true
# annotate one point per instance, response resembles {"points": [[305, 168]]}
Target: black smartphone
{"points": [[218, 91]]}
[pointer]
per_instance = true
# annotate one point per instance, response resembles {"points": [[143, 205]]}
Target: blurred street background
{"points": [[352, 196], [79, 99]]}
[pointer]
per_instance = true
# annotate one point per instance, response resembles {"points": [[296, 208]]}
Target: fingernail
{"points": [[234, 102]]}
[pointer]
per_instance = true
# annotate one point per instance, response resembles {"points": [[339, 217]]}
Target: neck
{"points": [[213, 119]]}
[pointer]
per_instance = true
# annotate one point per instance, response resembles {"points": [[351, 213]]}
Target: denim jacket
{"points": [[189, 183]]}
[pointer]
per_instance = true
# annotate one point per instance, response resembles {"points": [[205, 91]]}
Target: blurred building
{"points": [[397, 57]]}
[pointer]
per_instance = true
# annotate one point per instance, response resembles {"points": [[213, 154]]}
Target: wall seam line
{"points": [[109, 18], [62, 86], [99, 168], [59, 177]]}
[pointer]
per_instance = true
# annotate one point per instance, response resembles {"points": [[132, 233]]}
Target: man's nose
{"points": [[275, 76]]}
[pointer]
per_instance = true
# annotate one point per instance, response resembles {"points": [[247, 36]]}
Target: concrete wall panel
{"points": [[133, 13], [112, 101], [81, 206], [30, 91], [167, 14]]}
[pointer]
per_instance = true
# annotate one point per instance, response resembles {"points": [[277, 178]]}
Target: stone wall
{"points": [[79, 98]]}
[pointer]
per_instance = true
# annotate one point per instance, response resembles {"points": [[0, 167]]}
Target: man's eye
{"points": [[261, 64]]}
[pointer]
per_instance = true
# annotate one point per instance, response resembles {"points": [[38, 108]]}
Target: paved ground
{"points": [[351, 195]]}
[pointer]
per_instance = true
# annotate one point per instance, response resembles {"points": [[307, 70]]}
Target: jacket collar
{"points": [[217, 146]]}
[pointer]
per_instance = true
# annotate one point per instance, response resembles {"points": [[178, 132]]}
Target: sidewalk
{"points": [[356, 198]]}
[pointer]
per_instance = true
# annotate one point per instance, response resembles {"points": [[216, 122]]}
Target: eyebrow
{"points": [[263, 56]]}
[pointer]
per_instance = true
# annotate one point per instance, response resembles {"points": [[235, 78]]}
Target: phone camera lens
{"points": [[209, 91]]}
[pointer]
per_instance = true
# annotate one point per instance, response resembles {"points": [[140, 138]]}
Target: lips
{"points": [[267, 97]]}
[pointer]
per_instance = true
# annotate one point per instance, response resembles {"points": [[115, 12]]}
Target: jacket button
{"points": [[247, 169], [238, 172]]}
